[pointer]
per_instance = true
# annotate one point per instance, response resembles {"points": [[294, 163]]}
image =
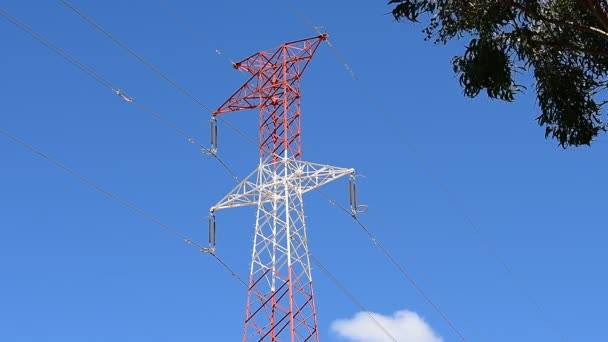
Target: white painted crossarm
{"points": [[269, 178], [244, 194], [311, 176]]}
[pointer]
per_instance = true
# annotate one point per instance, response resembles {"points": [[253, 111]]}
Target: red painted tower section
{"points": [[274, 88]]}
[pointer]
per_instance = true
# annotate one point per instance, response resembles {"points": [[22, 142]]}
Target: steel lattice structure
{"points": [[280, 301]]}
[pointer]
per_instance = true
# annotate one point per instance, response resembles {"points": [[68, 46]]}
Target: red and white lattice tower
{"points": [[280, 301]]}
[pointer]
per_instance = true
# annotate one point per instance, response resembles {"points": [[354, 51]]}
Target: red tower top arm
{"points": [[274, 88]]}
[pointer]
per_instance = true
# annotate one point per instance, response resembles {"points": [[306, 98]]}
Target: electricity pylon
{"points": [[280, 301]]}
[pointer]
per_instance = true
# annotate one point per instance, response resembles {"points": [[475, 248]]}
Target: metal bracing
{"points": [[280, 300], [280, 304], [274, 88], [260, 186]]}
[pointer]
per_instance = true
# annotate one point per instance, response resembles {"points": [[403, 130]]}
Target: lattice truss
{"points": [[280, 301], [280, 304], [274, 88]]}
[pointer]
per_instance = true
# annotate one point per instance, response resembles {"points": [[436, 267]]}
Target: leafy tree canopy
{"points": [[562, 43]]}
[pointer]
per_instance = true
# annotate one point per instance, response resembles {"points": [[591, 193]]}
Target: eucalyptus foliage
{"points": [[562, 44]]}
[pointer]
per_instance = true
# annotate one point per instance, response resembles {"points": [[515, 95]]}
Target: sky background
{"points": [[78, 266]]}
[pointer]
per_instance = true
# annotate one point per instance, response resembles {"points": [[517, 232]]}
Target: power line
{"points": [[165, 77], [114, 88], [123, 202], [126, 48], [132, 207], [128, 99], [317, 29], [400, 268], [323, 268], [97, 76], [149, 65], [241, 133], [352, 298], [488, 245], [57, 49], [341, 286], [184, 23], [335, 280]]}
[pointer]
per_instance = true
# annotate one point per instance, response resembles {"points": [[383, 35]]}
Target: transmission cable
{"points": [[127, 98], [319, 30], [390, 257], [134, 54], [95, 75], [112, 87], [352, 298], [250, 140], [159, 73], [57, 49], [125, 47], [183, 22], [400, 268], [452, 198], [129, 205]]}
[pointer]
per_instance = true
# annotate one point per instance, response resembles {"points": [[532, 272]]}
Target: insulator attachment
{"points": [[352, 193], [123, 95], [362, 208], [214, 135], [212, 231]]}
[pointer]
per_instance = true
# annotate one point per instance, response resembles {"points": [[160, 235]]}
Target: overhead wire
{"points": [[316, 260], [427, 170], [106, 83], [129, 99], [397, 265], [184, 23], [317, 29], [180, 19], [57, 49], [120, 200], [157, 71], [130, 51], [353, 298], [88, 70], [111, 86], [154, 69], [348, 293], [401, 269], [338, 284], [96, 75]]}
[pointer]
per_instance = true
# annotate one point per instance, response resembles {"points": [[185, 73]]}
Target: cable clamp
{"points": [[123, 96], [208, 250], [209, 151]]}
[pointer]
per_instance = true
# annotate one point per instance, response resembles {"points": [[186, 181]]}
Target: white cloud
{"points": [[404, 326]]}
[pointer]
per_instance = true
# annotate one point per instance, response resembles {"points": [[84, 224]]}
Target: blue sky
{"points": [[77, 266]]}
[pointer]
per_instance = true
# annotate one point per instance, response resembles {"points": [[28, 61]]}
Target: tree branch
{"points": [[578, 27], [596, 9], [571, 47]]}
